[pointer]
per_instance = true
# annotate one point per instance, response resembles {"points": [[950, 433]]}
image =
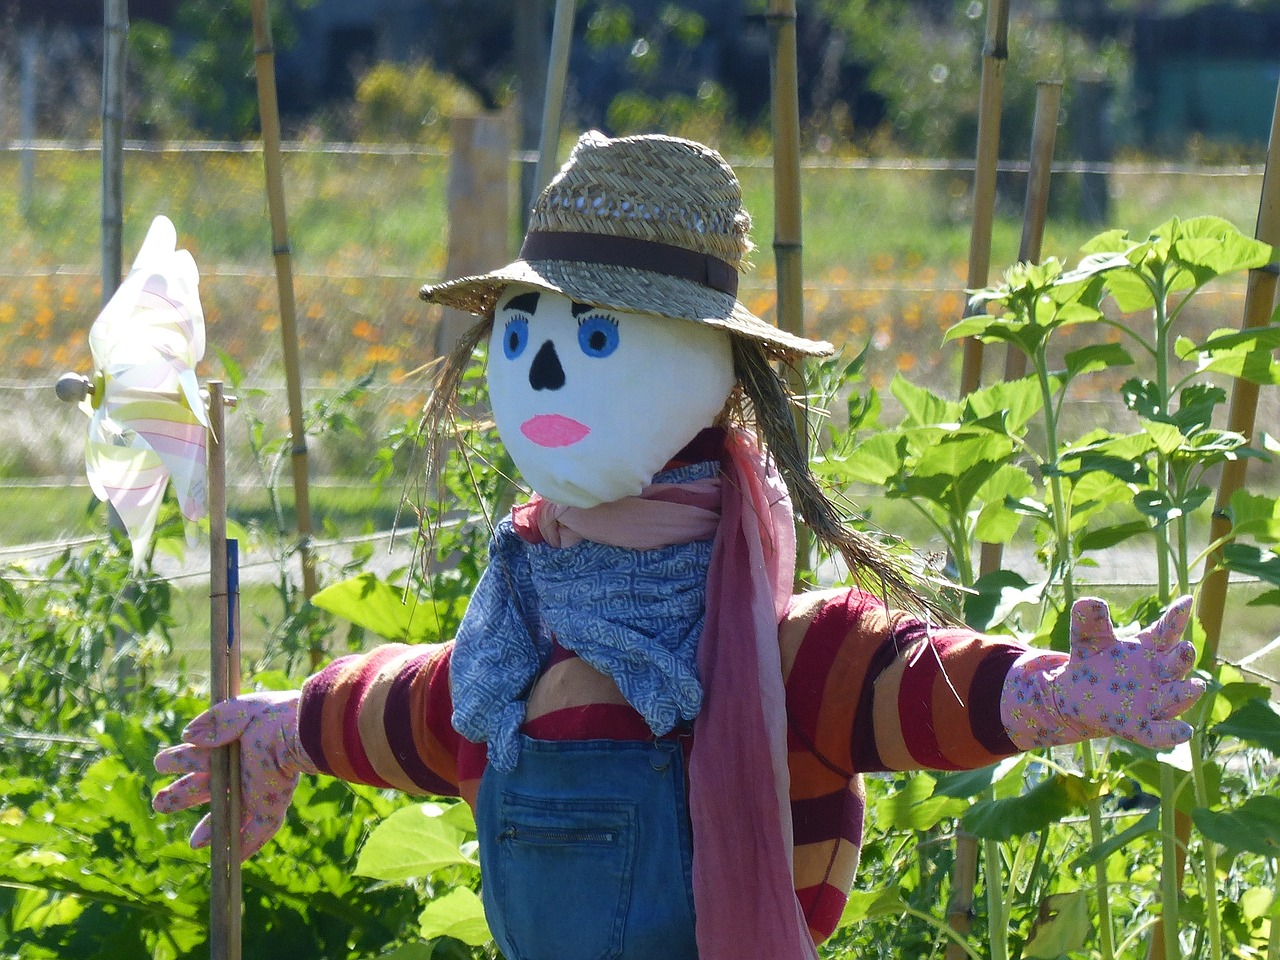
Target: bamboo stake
{"points": [[269, 113], [553, 98], [995, 55], [788, 231], [224, 772], [1035, 212], [1260, 297], [787, 227], [115, 33]]}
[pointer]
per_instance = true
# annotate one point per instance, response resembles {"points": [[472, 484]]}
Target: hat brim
{"points": [[626, 289]]}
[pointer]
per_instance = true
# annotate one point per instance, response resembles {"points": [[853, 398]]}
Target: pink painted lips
{"points": [[553, 430]]}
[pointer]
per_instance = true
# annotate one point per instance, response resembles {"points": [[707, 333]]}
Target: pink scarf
{"points": [[739, 787]]}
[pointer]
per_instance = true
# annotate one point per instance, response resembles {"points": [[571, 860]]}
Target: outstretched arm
{"points": [[872, 689], [379, 718]]}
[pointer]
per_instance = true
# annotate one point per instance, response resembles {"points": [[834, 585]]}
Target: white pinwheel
{"points": [[147, 418]]}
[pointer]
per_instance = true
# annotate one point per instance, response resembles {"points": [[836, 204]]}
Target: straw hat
{"points": [[646, 224]]}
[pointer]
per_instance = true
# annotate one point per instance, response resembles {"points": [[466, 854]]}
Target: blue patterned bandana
{"points": [[634, 615]]}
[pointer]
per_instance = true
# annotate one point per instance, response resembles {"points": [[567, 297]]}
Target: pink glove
{"points": [[1107, 687], [271, 759]]}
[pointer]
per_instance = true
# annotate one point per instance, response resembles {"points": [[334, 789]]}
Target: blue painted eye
{"points": [[598, 335], [515, 337]]}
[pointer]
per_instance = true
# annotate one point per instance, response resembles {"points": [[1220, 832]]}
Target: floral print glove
{"points": [[271, 759], [1132, 688]]}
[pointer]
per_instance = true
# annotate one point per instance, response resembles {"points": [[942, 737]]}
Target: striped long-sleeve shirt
{"points": [[868, 690]]}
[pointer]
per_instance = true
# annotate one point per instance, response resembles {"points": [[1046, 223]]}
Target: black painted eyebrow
{"points": [[578, 309], [525, 303]]}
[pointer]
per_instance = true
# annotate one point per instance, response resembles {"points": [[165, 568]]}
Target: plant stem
{"points": [[1210, 882], [1100, 885], [1162, 466], [997, 922], [944, 929], [1061, 529], [1169, 862]]}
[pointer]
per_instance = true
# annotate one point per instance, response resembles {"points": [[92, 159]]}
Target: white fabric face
{"points": [[590, 402]]}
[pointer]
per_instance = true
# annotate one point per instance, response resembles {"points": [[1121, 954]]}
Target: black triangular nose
{"points": [[546, 372]]}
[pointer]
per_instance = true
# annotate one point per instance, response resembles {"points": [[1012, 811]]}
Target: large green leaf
{"points": [[996, 596], [922, 406], [1212, 246], [1255, 722], [1047, 802], [1061, 926], [1254, 826], [964, 784], [873, 461], [1263, 564], [458, 914], [1256, 516], [1098, 356], [1017, 401], [997, 523], [412, 842], [916, 807], [377, 606], [1104, 537], [870, 904]]}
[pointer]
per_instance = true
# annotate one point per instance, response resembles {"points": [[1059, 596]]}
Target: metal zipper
{"points": [[540, 835]]}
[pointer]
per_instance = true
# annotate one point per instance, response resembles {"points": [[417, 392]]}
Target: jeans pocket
{"points": [[563, 883]]}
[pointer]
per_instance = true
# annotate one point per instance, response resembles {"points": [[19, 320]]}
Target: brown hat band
{"points": [[663, 258]]}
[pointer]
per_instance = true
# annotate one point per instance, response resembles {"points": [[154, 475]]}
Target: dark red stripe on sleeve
{"points": [[397, 721], [821, 819], [865, 756], [823, 640], [315, 691], [350, 720], [984, 701], [915, 703]]}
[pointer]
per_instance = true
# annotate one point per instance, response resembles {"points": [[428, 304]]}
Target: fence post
{"points": [[479, 209]]}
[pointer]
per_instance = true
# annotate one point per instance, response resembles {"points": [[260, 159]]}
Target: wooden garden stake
{"points": [[269, 114], [1260, 297], [115, 32], [995, 55], [787, 225], [553, 99], [1035, 212], [224, 683]]}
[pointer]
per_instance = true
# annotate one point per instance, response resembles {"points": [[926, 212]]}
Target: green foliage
{"points": [[923, 61], [413, 103], [979, 468], [86, 868], [659, 64], [200, 76], [433, 841]]}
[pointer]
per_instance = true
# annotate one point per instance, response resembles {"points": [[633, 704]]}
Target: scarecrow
{"points": [[663, 746]]}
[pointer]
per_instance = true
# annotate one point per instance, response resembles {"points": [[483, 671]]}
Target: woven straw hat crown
{"points": [[646, 224]]}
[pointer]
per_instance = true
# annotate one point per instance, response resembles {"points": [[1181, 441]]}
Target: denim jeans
{"points": [[585, 852]]}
